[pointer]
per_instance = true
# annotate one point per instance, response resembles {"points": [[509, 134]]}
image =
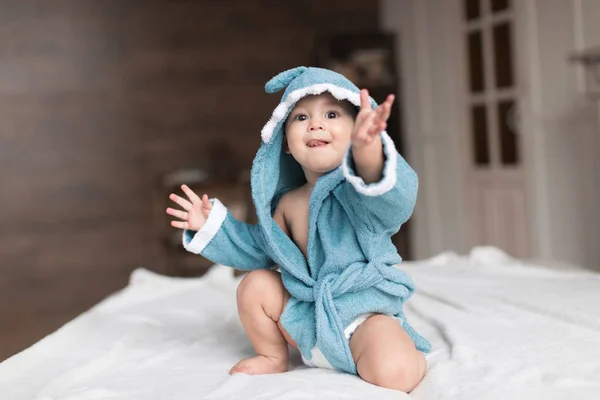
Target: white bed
{"points": [[500, 329]]}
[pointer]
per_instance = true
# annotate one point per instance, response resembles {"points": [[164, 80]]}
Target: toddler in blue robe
{"points": [[330, 190]]}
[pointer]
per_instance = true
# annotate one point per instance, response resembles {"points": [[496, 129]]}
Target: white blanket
{"points": [[500, 329]]}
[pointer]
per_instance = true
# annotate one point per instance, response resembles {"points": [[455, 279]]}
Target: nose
{"points": [[316, 125]]}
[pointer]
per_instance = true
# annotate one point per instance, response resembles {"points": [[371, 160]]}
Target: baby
{"points": [[330, 190]]}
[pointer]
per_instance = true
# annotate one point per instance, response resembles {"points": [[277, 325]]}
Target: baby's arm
{"points": [[211, 230], [380, 185], [367, 148]]}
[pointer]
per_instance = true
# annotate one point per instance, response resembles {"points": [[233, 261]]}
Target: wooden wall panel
{"points": [[97, 100]]}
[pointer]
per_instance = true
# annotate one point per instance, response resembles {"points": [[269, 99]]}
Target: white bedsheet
{"points": [[500, 329]]}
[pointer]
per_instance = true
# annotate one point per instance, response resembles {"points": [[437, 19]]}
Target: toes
{"points": [[234, 369], [238, 368], [258, 365]]}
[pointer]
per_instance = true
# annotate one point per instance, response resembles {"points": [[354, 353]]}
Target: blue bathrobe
{"points": [[351, 265]]}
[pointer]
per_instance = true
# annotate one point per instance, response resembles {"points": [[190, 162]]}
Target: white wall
{"points": [[565, 125], [429, 119], [560, 125], [588, 34]]}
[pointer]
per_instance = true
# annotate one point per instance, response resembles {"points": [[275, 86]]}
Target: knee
{"points": [[395, 375], [256, 284]]}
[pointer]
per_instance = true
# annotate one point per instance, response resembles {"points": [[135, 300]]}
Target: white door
{"points": [[495, 175]]}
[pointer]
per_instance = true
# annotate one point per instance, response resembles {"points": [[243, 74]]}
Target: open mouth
{"points": [[317, 143]]}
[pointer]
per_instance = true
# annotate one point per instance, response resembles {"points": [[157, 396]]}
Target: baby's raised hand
{"points": [[196, 210], [369, 123]]}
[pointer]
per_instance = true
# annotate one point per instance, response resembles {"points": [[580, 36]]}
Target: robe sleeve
{"points": [[227, 241], [389, 203]]}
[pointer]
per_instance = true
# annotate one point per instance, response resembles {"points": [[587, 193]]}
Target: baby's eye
{"points": [[332, 114], [300, 117]]}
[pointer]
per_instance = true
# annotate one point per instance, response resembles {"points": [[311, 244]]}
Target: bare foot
{"points": [[260, 365]]}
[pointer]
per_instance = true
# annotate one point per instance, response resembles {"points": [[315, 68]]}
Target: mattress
{"points": [[500, 328]]}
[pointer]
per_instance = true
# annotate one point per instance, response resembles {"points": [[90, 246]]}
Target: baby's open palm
{"points": [[370, 122], [195, 212]]}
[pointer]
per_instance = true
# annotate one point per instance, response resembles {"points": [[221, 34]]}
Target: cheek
{"points": [[344, 133], [294, 139]]}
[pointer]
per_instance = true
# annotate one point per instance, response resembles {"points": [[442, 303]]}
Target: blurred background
{"points": [[108, 106]]}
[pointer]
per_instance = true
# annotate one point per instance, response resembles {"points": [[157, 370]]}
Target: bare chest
{"points": [[296, 217]]}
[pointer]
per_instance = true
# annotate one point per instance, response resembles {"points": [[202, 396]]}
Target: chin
{"points": [[324, 169]]}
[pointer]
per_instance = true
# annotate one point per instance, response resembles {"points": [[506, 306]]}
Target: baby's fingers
{"points": [[362, 134], [180, 224], [186, 205], [177, 213], [206, 205], [376, 128], [190, 194], [384, 110], [365, 104]]}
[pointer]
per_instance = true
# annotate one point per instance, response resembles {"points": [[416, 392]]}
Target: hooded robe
{"points": [[352, 265]]}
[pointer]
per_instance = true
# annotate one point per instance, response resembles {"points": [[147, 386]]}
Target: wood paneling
{"points": [[97, 100]]}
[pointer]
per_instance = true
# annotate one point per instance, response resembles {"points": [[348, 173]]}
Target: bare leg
{"points": [[386, 356], [261, 299]]}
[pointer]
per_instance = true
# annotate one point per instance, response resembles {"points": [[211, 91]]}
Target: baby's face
{"points": [[318, 132]]}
